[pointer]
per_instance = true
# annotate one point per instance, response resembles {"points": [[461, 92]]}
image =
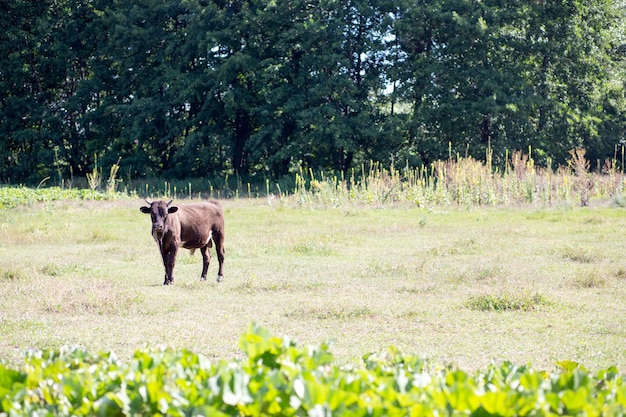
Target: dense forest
{"points": [[197, 88]]}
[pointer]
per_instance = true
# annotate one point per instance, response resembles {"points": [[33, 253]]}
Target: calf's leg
{"points": [[164, 257], [206, 259], [218, 238], [169, 260]]}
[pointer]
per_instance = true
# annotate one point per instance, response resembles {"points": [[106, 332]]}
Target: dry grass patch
{"points": [[58, 270], [589, 279], [409, 269], [13, 275], [311, 248], [416, 290], [330, 313], [577, 253], [100, 298], [98, 236], [253, 284], [486, 273]]}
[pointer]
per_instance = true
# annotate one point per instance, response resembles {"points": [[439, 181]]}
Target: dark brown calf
{"points": [[192, 226]]}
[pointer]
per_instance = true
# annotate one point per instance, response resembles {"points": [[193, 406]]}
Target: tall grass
{"points": [[464, 181], [460, 181]]}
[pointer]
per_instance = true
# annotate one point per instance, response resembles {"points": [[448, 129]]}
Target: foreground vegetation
{"points": [[278, 378]]}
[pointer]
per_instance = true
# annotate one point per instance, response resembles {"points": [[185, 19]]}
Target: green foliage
{"points": [[278, 378], [16, 196], [508, 75], [507, 302]]}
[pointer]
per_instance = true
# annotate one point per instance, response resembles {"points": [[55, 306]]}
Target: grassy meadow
{"points": [[462, 286]]}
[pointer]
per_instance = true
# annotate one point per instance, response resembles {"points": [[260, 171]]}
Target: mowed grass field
{"points": [[463, 287]]}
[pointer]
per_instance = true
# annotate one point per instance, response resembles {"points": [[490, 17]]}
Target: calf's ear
{"points": [[172, 209], [145, 209]]}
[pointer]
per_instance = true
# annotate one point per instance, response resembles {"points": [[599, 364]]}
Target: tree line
{"points": [[195, 88]]}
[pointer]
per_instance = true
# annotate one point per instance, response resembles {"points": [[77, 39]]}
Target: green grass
{"points": [[548, 284], [507, 302]]}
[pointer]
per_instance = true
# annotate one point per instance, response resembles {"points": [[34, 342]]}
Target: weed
{"points": [[378, 268], [594, 221], [319, 313], [56, 270], [409, 290], [94, 178], [460, 181], [252, 285], [99, 236], [309, 248], [189, 259], [507, 302], [465, 246], [487, 272], [416, 290], [13, 275], [589, 280], [578, 254], [247, 285], [619, 200], [411, 314], [52, 270], [112, 181], [21, 325]]}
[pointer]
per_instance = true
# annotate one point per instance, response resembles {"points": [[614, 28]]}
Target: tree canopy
{"points": [[193, 88]]}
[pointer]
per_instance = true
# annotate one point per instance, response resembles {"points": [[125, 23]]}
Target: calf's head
{"points": [[158, 210]]}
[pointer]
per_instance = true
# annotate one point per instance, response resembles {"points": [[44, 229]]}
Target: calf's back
{"points": [[200, 222]]}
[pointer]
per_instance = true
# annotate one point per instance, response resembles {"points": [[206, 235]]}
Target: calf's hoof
{"points": [[220, 278]]}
